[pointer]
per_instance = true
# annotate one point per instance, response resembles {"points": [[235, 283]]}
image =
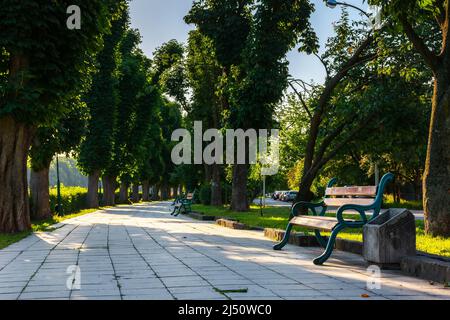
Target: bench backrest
{"points": [[339, 196], [359, 195]]}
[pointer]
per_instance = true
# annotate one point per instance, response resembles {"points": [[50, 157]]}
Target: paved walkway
{"points": [[141, 252]]}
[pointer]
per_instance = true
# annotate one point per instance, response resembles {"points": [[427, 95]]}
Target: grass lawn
{"points": [[277, 217], [44, 225]]}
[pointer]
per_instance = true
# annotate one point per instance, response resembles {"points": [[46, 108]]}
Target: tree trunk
{"points": [[175, 191], [164, 191], [92, 195], [239, 197], [216, 187], [109, 189], [135, 195], [123, 193], [155, 192], [40, 195], [15, 140], [145, 191], [436, 184]]}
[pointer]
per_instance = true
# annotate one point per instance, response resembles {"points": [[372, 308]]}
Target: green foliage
{"points": [[205, 194], [97, 148], [73, 199], [42, 61], [63, 137]]}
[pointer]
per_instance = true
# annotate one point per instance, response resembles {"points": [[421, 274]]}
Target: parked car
{"points": [[276, 195], [283, 195], [291, 196]]}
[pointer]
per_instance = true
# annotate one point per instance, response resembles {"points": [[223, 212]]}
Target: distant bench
{"points": [[182, 203], [360, 199]]}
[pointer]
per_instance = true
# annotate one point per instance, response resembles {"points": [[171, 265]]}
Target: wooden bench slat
{"points": [[314, 222], [337, 202], [352, 191]]}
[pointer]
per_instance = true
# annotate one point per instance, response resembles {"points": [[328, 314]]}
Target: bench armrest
{"points": [[308, 205], [354, 207]]}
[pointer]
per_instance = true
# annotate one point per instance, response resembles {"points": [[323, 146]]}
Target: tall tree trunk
{"points": [[40, 195], [145, 191], [164, 191], [135, 195], [92, 195], [155, 192], [175, 191], [123, 192], [436, 183], [216, 187], [15, 140], [109, 188], [239, 196]]}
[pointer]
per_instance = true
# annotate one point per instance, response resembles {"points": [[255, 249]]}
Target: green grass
{"points": [[277, 217], [40, 226], [389, 202]]}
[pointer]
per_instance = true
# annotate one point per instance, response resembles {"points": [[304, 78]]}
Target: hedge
{"points": [[73, 199]]}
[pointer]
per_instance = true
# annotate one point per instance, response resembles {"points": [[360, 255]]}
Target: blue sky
{"points": [[162, 20]]}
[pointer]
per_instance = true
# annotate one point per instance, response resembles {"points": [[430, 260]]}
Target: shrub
{"points": [[204, 194], [73, 199]]}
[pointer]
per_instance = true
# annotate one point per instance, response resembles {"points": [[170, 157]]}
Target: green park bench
{"points": [[359, 199], [183, 203]]}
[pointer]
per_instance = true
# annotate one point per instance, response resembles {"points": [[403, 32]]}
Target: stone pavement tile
{"points": [[9, 296], [332, 286], [253, 291], [199, 296], [13, 284], [9, 290], [275, 281], [219, 283], [317, 279], [44, 295], [397, 291], [288, 287], [146, 291], [361, 298], [147, 284], [95, 292], [183, 281], [348, 293], [101, 298], [256, 298], [309, 298], [418, 297], [45, 288], [157, 296]]}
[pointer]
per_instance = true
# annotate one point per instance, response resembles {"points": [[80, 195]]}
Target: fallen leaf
{"points": [[365, 295]]}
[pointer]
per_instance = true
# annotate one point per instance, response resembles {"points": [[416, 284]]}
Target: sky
{"points": [[162, 20]]}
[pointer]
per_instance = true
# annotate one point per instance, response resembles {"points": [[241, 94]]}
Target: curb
{"points": [[201, 217], [232, 224], [428, 268]]}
